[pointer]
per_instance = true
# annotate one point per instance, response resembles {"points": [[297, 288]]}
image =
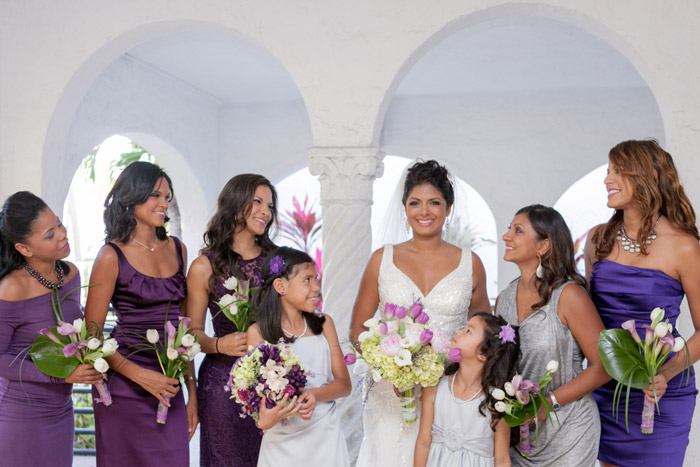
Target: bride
{"points": [[450, 283]]}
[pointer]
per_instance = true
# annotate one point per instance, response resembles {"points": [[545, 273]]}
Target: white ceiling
{"points": [[510, 54]]}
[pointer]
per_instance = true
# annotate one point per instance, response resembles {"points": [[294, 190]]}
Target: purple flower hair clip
{"points": [[276, 265], [507, 334]]}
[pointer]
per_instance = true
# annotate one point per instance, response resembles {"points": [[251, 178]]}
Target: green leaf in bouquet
{"points": [[622, 359], [49, 359]]}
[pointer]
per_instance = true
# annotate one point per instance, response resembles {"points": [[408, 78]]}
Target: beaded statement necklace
{"points": [[44, 281], [632, 244]]}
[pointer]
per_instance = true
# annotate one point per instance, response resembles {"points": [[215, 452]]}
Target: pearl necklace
{"points": [[457, 399], [44, 281], [631, 244], [146, 246], [294, 335]]}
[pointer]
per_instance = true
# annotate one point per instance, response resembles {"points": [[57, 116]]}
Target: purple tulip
{"points": [[349, 358], [426, 336], [629, 325], [383, 328], [422, 318], [65, 329], [389, 309], [70, 350], [401, 312], [455, 355], [416, 309]]}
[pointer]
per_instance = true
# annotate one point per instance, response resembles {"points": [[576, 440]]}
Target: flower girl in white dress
{"points": [[459, 426], [285, 308]]}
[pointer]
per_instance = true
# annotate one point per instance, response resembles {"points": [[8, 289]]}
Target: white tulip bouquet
{"points": [[236, 305], [633, 362]]}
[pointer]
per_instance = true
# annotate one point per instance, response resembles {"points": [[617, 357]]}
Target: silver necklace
{"points": [[632, 244], [294, 335], [457, 399], [146, 246]]}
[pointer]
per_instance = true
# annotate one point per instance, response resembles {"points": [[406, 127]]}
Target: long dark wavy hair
{"points": [[657, 188], [430, 172], [501, 364], [558, 264], [267, 304], [16, 221], [133, 187], [232, 208]]}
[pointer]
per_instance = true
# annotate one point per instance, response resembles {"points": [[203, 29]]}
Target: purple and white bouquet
{"points": [[58, 350], [174, 353], [633, 362], [521, 399], [403, 350], [236, 305], [267, 372]]}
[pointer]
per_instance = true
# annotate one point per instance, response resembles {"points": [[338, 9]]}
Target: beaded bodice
{"points": [[447, 303]]}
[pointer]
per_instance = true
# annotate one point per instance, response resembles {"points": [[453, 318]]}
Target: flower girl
{"points": [[285, 307], [459, 425]]}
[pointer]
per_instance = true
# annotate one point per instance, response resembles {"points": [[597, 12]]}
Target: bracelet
{"points": [[216, 345], [555, 404], [190, 378]]}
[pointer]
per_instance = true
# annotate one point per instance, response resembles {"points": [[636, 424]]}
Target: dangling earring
{"points": [[447, 227], [408, 226], [540, 270]]}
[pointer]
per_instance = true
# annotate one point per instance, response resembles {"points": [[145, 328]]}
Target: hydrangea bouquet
{"points": [[403, 350], [633, 362], [174, 353], [521, 399], [236, 305], [58, 350], [267, 371]]}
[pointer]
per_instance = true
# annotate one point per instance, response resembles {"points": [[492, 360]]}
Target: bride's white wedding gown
{"points": [[387, 440]]}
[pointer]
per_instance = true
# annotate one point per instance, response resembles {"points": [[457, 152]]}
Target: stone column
{"points": [[346, 175]]}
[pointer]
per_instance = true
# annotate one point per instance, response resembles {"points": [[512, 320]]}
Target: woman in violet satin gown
{"points": [[449, 281], [235, 244], [36, 410], [141, 271], [629, 277]]}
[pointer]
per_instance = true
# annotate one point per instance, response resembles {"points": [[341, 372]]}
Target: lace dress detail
{"points": [[447, 304], [225, 437]]}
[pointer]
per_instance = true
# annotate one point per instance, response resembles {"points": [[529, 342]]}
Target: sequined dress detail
{"points": [[387, 440]]}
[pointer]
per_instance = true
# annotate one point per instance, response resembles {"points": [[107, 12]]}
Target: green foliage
{"points": [[137, 153], [49, 359]]}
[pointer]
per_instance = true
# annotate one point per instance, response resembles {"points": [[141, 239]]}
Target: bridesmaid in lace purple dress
{"points": [[236, 242], [646, 256], [141, 271], [36, 411]]}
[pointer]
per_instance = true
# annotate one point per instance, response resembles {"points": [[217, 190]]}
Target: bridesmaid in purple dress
{"points": [[141, 271], [236, 242], [36, 411], [646, 256]]}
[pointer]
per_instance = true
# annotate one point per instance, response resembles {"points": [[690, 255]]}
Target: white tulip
{"points": [[552, 366], [500, 406], [152, 336], [187, 340], [231, 283], [670, 328], [498, 394], [226, 300], [194, 350], [510, 390], [660, 330], [371, 323], [109, 346], [364, 336], [101, 365], [679, 344], [93, 343], [78, 325], [408, 342], [171, 353], [657, 314]]}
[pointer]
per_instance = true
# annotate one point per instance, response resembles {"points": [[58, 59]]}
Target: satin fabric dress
{"points": [[621, 293], [36, 410], [126, 432]]}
